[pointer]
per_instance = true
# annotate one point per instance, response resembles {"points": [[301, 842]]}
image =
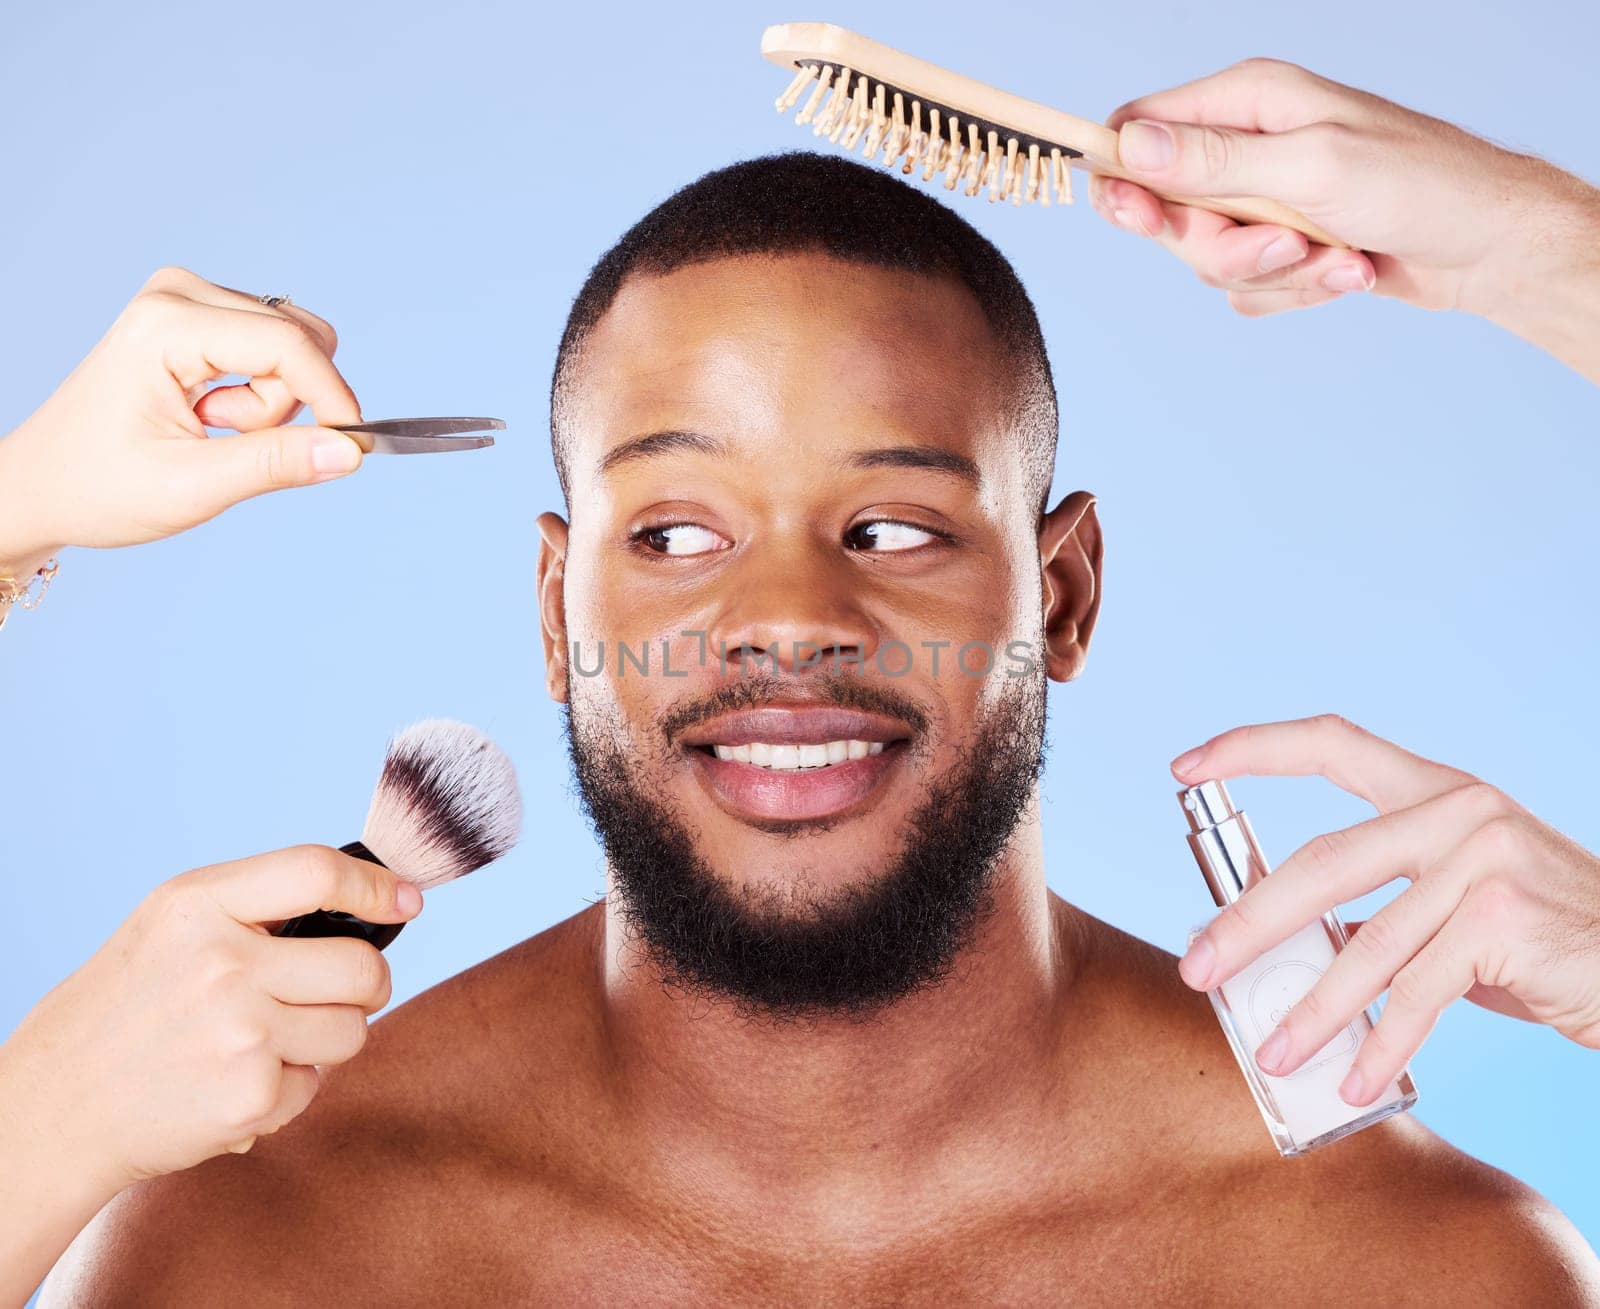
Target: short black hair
{"points": [[800, 201]]}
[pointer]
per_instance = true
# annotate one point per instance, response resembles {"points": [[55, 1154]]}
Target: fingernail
{"points": [[407, 899], [333, 456], [1346, 277], [1146, 145], [1184, 762], [1352, 1088], [1281, 253], [1130, 220], [1271, 1054], [1196, 966]]}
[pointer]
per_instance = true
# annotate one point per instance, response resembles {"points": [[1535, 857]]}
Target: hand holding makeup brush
{"points": [[120, 455], [200, 1025], [190, 1033]]}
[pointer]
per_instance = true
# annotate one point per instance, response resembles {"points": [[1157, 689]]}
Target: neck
{"points": [[812, 1095]]}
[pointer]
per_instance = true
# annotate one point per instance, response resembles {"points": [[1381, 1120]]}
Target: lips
{"points": [[795, 725], [783, 763]]}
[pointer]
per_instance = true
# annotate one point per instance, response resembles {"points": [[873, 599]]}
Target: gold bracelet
{"points": [[24, 593]]}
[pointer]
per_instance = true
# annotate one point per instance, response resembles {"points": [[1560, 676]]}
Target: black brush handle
{"points": [[333, 922]]}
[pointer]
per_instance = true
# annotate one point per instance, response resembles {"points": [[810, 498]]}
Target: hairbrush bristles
{"points": [[447, 803], [908, 131], [928, 120]]}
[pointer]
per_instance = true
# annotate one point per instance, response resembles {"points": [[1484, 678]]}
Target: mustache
{"points": [[752, 691]]}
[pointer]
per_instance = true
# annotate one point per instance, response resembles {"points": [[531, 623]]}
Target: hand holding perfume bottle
{"points": [[1502, 908], [1305, 1107]]}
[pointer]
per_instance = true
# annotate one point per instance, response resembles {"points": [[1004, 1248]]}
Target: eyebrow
{"points": [[930, 457], [660, 443]]}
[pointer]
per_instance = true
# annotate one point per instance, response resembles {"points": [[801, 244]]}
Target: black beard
{"points": [[848, 954]]}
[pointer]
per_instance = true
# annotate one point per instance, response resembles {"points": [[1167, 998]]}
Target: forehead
{"points": [[761, 349]]}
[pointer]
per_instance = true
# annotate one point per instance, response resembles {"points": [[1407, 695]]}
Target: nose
{"points": [[795, 605]]}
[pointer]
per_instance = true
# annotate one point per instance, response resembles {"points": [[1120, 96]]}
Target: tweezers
{"points": [[415, 436]]}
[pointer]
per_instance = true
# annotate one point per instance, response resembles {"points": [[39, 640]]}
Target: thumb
{"points": [[228, 469], [1201, 160], [273, 887]]}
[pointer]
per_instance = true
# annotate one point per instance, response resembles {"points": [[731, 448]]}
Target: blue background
{"points": [[1366, 508]]}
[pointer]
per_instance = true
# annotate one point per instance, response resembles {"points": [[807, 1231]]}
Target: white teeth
{"points": [[792, 758]]}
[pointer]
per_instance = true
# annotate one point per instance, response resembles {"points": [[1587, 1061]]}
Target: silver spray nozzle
{"points": [[1222, 840], [1206, 805]]}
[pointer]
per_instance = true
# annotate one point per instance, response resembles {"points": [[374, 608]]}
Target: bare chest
{"points": [[581, 1249]]}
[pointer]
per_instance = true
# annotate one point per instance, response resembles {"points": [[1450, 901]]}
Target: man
{"points": [[829, 1038]]}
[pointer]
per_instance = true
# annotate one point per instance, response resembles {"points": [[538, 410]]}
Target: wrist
{"points": [[49, 1140], [24, 547], [1545, 278], [46, 1196], [20, 570]]}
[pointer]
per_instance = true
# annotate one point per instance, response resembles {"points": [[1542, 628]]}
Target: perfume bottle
{"points": [[1302, 1110]]}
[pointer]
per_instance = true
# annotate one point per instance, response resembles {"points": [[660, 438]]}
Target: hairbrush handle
{"points": [[1100, 156], [334, 922]]}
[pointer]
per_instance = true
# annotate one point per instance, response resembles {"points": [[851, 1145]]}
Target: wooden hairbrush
{"points": [[921, 116]]}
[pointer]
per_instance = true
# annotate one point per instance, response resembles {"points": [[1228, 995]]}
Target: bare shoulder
{"points": [[1394, 1214], [418, 1120], [1438, 1223]]}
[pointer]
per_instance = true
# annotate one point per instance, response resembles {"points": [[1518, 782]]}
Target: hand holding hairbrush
{"points": [[446, 804], [927, 119]]}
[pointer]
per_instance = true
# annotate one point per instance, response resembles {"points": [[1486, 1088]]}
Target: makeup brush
{"points": [[447, 803]]}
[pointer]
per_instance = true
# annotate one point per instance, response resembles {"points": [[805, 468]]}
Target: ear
{"points": [[1070, 548], [552, 603]]}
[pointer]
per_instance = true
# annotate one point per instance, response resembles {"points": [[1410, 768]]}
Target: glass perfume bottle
{"points": [[1302, 1110]]}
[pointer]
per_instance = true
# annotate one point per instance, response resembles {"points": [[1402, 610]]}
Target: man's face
{"points": [[797, 495]]}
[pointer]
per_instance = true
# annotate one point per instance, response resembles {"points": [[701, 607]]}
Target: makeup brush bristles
{"points": [[918, 136], [447, 803]]}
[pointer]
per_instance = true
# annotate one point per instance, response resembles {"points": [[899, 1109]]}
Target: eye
{"points": [[885, 535], [679, 539]]}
